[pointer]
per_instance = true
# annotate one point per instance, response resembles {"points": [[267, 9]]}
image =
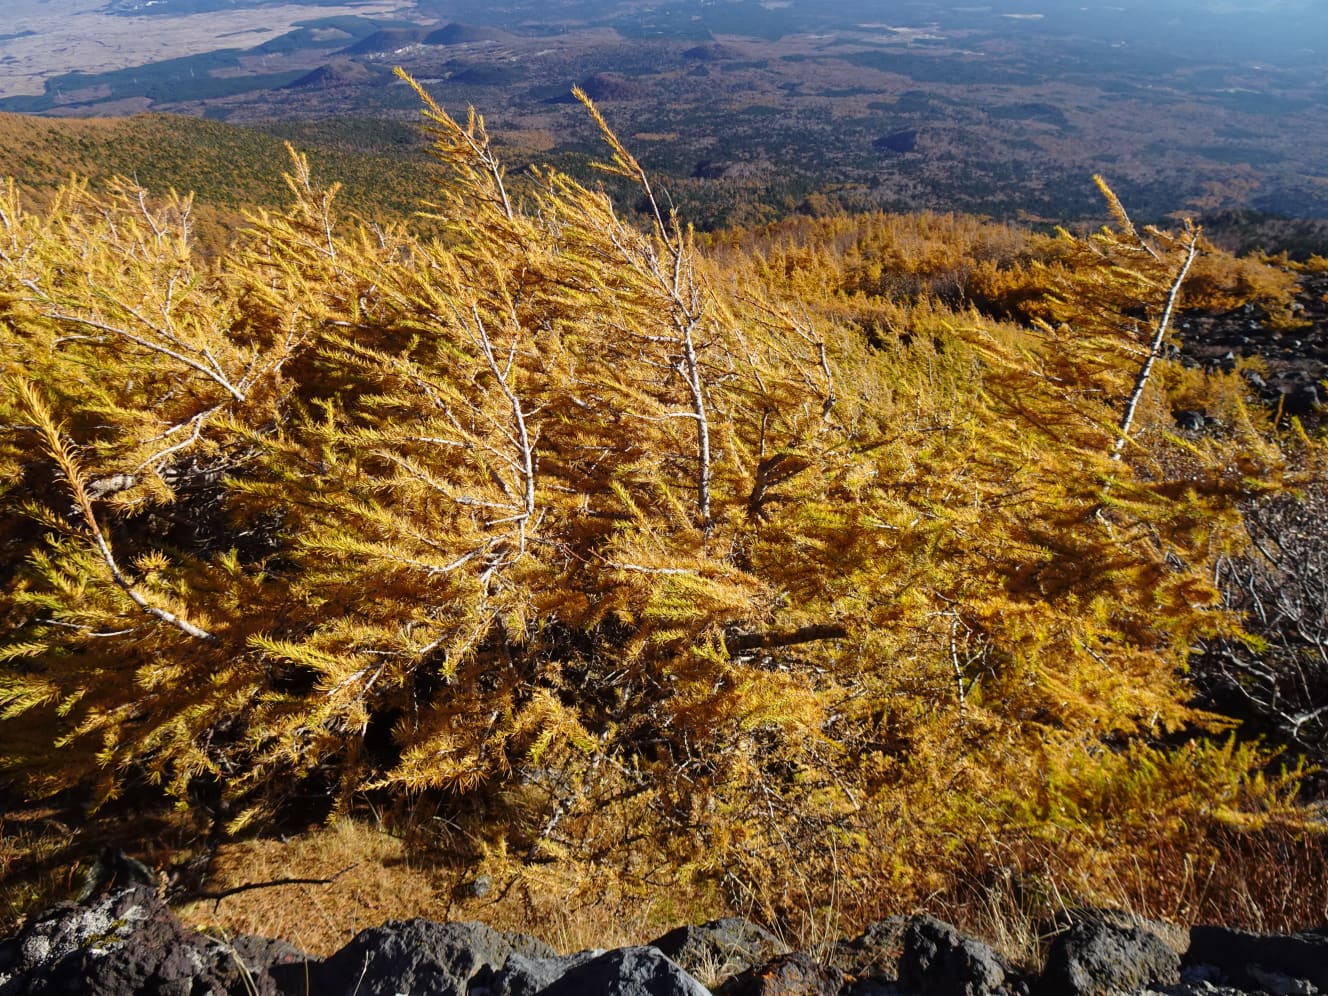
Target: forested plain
{"points": [[816, 571]]}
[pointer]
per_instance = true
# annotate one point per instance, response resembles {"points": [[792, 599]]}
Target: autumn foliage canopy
{"points": [[724, 554]]}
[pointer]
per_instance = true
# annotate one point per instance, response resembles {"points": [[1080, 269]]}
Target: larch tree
{"points": [[553, 501]]}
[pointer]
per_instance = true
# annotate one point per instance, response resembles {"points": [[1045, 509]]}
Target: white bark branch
{"points": [[64, 459], [1141, 382]]}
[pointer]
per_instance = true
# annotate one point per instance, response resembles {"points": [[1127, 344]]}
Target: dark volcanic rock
{"points": [[627, 972], [721, 948], [875, 953], [418, 957], [1262, 962], [523, 976], [1295, 361], [1190, 420], [263, 956], [1302, 400], [940, 961], [794, 974], [1095, 956], [123, 940], [127, 942]]}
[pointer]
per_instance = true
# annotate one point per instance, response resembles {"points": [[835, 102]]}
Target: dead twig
{"points": [[217, 897]]}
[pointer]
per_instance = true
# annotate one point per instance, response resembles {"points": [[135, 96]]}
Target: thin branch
{"points": [[196, 421], [214, 375], [64, 458], [474, 136], [270, 884], [958, 670], [679, 284], [525, 448], [771, 639], [1141, 382], [639, 569]]}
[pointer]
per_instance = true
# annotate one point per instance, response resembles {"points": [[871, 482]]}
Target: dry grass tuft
{"points": [[34, 868], [1269, 880], [371, 879], [1007, 893], [378, 876]]}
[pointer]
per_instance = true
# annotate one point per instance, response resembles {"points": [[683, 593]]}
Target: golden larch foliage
{"points": [[779, 555]]}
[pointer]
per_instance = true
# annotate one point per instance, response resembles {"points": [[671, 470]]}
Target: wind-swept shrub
{"points": [[553, 512]]}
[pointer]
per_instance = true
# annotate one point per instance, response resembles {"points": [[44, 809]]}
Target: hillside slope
{"points": [[852, 562], [227, 167]]}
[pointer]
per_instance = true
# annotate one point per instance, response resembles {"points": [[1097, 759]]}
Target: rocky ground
{"points": [[1295, 361], [125, 940]]}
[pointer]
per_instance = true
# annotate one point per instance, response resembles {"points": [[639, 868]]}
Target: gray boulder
{"points": [[640, 971], [940, 961], [875, 953], [1190, 420], [126, 942], [720, 949], [1273, 963], [524, 976], [419, 957], [795, 974], [1302, 400], [1095, 956]]}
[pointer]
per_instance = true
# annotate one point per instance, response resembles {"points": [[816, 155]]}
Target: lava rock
{"points": [[523, 976], [639, 971], [1094, 956], [874, 954], [1302, 400], [1262, 962], [720, 949], [1189, 420], [940, 961], [420, 957], [126, 942], [796, 974]]}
